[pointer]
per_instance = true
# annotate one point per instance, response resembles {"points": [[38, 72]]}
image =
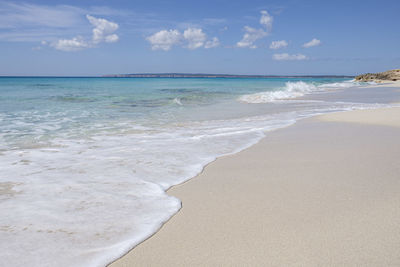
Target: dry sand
{"points": [[324, 192], [386, 84], [385, 117]]}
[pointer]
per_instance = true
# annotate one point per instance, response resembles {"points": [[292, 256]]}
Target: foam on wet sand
{"points": [[323, 192]]}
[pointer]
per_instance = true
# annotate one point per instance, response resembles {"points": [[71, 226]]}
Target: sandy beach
{"points": [[199, 133], [323, 192]]}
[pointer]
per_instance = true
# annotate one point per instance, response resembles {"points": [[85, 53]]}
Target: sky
{"points": [[270, 37]]}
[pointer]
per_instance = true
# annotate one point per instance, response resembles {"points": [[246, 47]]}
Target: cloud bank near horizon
{"points": [[289, 57]]}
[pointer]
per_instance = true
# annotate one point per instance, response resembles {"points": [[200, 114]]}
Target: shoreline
{"points": [[118, 200], [134, 255]]}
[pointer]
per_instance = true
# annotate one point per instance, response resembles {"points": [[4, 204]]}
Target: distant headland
{"points": [[205, 75], [390, 75]]}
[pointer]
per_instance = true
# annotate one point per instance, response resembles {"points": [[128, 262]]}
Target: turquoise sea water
{"points": [[85, 162]]}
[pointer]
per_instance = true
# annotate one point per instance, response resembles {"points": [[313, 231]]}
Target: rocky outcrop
{"points": [[390, 75]]}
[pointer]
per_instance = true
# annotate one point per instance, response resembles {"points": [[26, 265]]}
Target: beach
{"points": [[196, 133], [211, 171], [323, 192]]}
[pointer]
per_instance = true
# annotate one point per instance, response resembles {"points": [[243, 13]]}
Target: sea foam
{"points": [[292, 90]]}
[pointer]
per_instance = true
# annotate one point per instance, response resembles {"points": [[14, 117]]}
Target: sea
{"points": [[85, 162]]}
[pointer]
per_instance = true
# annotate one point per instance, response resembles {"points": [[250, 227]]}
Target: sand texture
{"points": [[324, 192]]}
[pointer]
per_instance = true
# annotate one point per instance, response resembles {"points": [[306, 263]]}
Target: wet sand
{"points": [[324, 192]]}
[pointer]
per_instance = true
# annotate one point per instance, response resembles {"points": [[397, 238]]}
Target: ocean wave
{"points": [[293, 90], [177, 101], [345, 84]]}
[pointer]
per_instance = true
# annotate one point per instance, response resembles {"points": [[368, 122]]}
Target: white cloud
{"points": [[28, 22], [313, 42], [74, 44], [103, 32], [287, 57], [111, 38], [195, 37], [192, 38], [266, 20], [278, 44], [212, 43], [164, 40], [252, 35]]}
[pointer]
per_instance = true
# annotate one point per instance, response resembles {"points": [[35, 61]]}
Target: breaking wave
{"points": [[293, 90]]}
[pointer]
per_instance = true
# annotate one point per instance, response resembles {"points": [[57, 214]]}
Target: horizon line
{"points": [[175, 75]]}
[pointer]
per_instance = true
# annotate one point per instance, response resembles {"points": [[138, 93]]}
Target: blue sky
{"points": [[290, 37]]}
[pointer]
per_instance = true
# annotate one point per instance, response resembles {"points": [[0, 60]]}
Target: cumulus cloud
{"points": [[29, 22], [74, 44], [112, 38], [313, 42], [212, 43], [251, 35], [266, 20], [287, 57], [192, 38], [164, 40], [103, 31], [278, 44], [195, 37]]}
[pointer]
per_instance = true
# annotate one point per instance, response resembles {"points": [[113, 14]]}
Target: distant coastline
{"points": [[182, 75], [390, 75], [206, 75]]}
